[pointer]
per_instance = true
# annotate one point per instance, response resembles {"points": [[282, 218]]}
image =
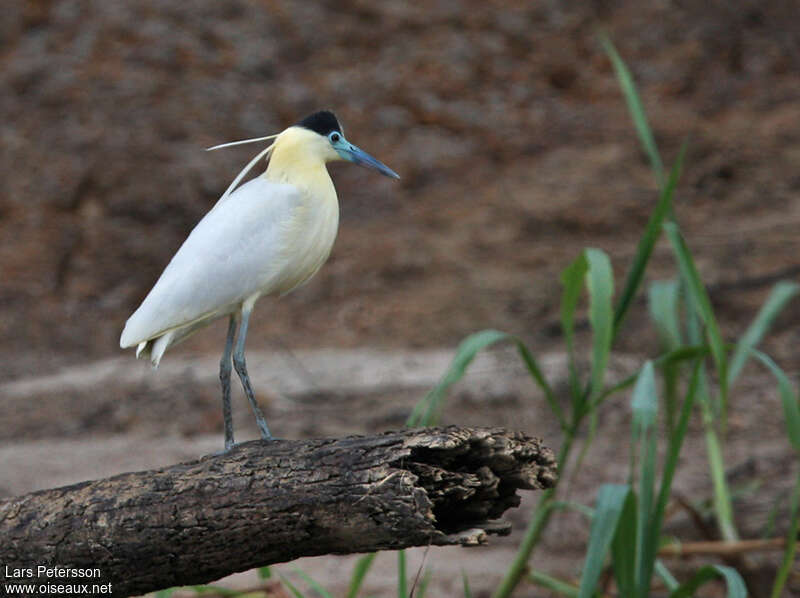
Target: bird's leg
{"points": [[241, 369], [225, 380]]}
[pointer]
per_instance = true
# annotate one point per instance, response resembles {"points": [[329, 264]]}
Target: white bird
{"points": [[266, 237]]}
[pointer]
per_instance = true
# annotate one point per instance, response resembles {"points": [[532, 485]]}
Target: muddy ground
{"points": [[515, 150]]}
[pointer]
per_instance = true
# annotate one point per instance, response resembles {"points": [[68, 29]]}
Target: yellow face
{"points": [[298, 143], [305, 146]]}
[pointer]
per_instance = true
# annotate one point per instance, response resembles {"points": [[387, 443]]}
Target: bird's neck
{"points": [[292, 163]]}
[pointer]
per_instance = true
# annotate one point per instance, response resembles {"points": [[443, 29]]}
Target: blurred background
{"points": [[516, 151]]}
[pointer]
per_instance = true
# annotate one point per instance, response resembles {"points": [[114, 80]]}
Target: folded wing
{"points": [[232, 254]]}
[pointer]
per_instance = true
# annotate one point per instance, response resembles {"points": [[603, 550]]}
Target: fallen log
{"points": [[271, 502]]}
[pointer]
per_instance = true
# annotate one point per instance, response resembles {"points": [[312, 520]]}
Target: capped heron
{"points": [[266, 237]]}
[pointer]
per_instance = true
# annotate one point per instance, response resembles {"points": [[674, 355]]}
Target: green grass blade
{"points": [[313, 583], [644, 405], [217, 590], [789, 399], [295, 592], [648, 242], [664, 307], [644, 401], [572, 280], [702, 304], [781, 294], [733, 581], [723, 503], [723, 508], [571, 505], [650, 549], [663, 304], [264, 572], [359, 573], [611, 501], [465, 582], [625, 539], [600, 282], [635, 108], [541, 515], [426, 412], [553, 584], [536, 373], [686, 353], [402, 577], [666, 576], [166, 593], [791, 544]]}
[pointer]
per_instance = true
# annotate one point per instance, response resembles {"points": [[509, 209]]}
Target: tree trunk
{"points": [[270, 502]]}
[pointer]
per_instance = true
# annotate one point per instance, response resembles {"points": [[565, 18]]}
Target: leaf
{"points": [[644, 401], [650, 546], [663, 300], [536, 373], [781, 294], [402, 579], [645, 410], [791, 543], [465, 582], [733, 581], [625, 539], [673, 357], [297, 593], [702, 304], [551, 583], [611, 501], [648, 241], [635, 108], [600, 282], [666, 576], [359, 573], [572, 279], [313, 583], [789, 400], [219, 591], [426, 411]]}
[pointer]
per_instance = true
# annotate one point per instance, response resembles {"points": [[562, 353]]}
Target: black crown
{"points": [[322, 122]]}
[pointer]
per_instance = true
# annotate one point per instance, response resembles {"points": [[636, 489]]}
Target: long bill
{"points": [[358, 156]]}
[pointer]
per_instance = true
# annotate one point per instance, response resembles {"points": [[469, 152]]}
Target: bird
{"points": [[266, 237]]}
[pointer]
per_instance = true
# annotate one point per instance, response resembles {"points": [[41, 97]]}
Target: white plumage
{"points": [[246, 246], [267, 237]]}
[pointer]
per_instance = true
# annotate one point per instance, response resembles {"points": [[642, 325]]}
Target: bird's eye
{"points": [[334, 137]]}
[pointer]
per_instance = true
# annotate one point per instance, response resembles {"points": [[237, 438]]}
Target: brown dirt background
{"points": [[515, 149]]}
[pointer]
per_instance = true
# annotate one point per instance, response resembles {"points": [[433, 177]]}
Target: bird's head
{"points": [[317, 137], [322, 134]]}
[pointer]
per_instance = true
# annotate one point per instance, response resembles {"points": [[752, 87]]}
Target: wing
{"points": [[232, 253]]}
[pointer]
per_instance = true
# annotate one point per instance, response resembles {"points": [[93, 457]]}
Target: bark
{"points": [[270, 502]]}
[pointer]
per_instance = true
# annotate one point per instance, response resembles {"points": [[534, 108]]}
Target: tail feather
{"points": [[154, 349], [160, 346], [143, 350]]}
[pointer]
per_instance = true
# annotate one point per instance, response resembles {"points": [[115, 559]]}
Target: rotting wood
{"points": [[271, 502]]}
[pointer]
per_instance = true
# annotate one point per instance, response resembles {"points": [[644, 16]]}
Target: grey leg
{"points": [[241, 369], [225, 380]]}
